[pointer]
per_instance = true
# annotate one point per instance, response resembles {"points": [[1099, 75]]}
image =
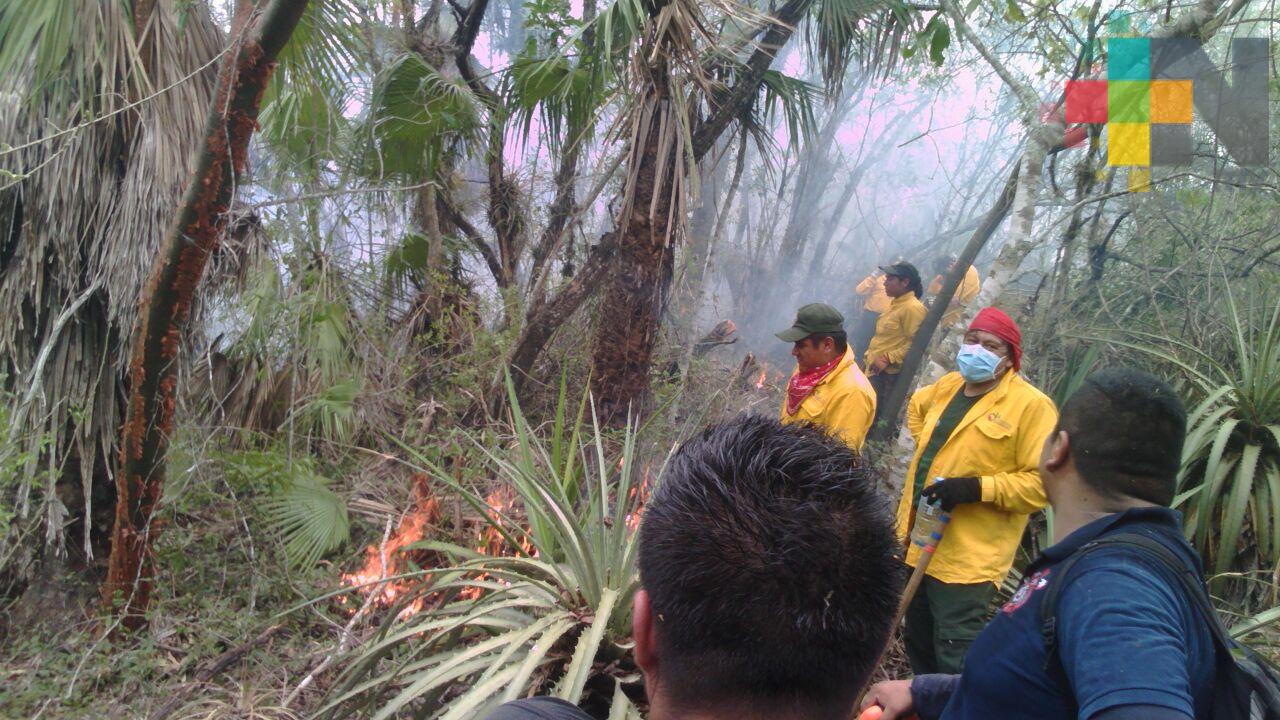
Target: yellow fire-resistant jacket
{"points": [[872, 288], [895, 330], [968, 290], [843, 404], [999, 440]]}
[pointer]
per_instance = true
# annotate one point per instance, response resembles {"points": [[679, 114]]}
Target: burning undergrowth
{"points": [[391, 576], [521, 588], [397, 573]]}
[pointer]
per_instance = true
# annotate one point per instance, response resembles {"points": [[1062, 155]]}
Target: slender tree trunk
{"points": [[506, 204], [564, 204], [828, 231], [814, 176], [1086, 176], [166, 301]]}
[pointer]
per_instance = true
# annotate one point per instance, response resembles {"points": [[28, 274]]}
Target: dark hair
{"points": [[772, 567], [840, 339], [915, 285], [912, 275], [1126, 429]]}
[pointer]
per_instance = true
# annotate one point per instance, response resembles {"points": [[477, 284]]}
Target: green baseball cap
{"points": [[813, 319]]}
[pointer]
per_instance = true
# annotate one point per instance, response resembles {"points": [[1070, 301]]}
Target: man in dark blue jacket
{"points": [[1130, 644]]}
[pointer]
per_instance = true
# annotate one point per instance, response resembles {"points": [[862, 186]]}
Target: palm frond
{"points": [[560, 93], [795, 99], [294, 501], [319, 73], [868, 32], [416, 116]]}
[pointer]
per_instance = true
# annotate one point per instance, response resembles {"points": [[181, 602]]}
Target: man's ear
{"points": [[643, 630], [1059, 451]]}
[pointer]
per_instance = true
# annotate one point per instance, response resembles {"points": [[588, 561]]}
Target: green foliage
{"points": [[312, 321], [562, 94], [302, 111], [557, 611], [408, 258], [295, 502], [1081, 361], [417, 116], [795, 99], [1013, 13], [333, 411], [38, 41], [1230, 480], [935, 38]]}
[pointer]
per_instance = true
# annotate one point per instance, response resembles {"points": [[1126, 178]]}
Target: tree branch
{"points": [[449, 212], [781, 26]]}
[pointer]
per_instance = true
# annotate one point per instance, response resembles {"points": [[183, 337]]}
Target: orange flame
{"points": [[638, 496], [383, 561], [760, 380]]}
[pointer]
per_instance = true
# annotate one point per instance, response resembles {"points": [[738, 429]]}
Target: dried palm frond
{"points": [[92, 163]]}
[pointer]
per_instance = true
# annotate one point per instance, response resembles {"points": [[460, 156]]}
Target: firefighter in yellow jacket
{"points": [[969, 288], [827, 388], [895, 329], [874, 303], [981, 430]]}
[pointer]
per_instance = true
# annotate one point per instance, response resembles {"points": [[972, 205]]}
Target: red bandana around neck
{"points": [[802, 383]]}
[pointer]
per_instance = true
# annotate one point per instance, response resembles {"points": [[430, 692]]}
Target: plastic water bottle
{"points": [[930, 520]]}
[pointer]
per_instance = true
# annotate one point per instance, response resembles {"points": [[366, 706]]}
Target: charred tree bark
{"points": [[166, 301], [637, 285]]}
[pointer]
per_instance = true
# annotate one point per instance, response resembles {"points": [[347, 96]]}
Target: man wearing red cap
{"points": [[979, 430]]}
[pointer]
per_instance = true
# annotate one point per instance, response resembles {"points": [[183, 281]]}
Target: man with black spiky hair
{"points": [[769, 573]]}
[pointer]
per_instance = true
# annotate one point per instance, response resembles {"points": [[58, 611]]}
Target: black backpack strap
{"points": [[1191, 583]]}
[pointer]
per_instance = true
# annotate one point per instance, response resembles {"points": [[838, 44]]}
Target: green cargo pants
{"points": [[942, 621]]}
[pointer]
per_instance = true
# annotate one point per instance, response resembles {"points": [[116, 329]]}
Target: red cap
{"points": [[1002, 326]]}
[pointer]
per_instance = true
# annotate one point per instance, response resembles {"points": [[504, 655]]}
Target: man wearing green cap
{"points": [[827, 387]]}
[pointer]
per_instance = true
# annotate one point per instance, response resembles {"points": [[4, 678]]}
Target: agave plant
{"points": [[541, 621], [1229, 486]]}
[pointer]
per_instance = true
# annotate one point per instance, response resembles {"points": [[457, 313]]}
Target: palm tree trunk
{"points": [[636, 290], [167, 297]]}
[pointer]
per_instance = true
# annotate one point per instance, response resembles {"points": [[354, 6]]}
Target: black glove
{"points": [[951, 492]]}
